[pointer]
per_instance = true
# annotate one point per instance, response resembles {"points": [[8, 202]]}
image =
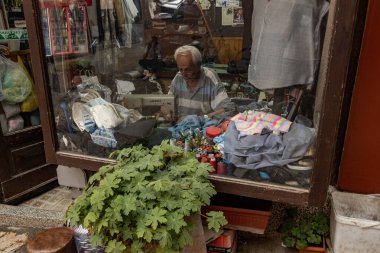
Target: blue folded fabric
{"points": [[192, 122]]}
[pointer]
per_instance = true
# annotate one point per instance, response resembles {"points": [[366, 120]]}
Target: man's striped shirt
{"points": [[209, 96]]}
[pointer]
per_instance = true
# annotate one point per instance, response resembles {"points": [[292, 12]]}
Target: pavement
{"points": [[18, 224]]}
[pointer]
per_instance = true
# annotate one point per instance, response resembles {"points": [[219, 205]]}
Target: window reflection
{"points": [[116, 80], [18, 98]]}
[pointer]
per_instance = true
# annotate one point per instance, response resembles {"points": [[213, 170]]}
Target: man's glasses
{"points": [[187, 71]]}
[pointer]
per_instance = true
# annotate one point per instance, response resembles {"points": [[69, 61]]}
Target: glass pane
{"points": [[250, 82], [18, 99]]}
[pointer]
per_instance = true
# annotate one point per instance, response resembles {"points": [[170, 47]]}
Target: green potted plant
{"points": [[140, 203], [306, 233]]}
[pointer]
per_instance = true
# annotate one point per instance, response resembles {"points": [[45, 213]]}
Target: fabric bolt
{"points": [[285, 42], [253, 122], [210, 95], [259, 151]]}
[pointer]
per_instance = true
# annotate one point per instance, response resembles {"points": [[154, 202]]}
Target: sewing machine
{"points": [[148, 104]]}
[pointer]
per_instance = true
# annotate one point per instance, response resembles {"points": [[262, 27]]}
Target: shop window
{"points": [[111, 64], [114, 82]]}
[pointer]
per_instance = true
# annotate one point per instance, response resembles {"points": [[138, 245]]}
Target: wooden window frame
{"points": [[338, 62]]}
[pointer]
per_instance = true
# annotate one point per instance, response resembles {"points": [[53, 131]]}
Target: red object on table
{"points": [[212, 132], [225, 125]]}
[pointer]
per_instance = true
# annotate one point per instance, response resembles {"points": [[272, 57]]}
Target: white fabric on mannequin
{"points": [[285, 42]]}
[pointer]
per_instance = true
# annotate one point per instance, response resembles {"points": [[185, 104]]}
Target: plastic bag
{"points": [[15, 85], [91, 81], [83, 118], [15, 123], [31, 103], [10, 110]]}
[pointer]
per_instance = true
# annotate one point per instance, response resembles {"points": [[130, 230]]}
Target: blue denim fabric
{"points": [[258, 151]]}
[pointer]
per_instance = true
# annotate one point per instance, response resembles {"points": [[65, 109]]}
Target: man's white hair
{"points": [[193, 51]]}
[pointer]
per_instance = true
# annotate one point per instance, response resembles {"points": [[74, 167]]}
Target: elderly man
{"points": [[198, 90]]}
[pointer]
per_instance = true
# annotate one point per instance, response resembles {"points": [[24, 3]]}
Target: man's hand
{"points": [[165, 113], [217, 112]]}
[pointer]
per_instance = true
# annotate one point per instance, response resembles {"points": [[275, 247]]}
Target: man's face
{"points": [[187, 68]]}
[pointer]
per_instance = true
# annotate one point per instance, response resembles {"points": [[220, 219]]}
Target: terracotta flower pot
{"points": [[312, 249]]}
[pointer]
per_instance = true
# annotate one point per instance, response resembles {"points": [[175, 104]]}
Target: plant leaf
{"points": [[216, 220], [185, 238], [114, 246], [97, 199], [129, 204], [155, 216], [91, 217], [164, 238], [301, 244], [137, 246], [289, 241], [95, 240], [175, 222], [103, 223]]}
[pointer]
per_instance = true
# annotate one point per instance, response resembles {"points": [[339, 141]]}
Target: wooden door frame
{"points": [[359, 167]]}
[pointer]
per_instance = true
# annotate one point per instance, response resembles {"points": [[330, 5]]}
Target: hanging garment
{"points": [[285, 42], [106, 56], [120, 18], [130, 12], [126, 12]]}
